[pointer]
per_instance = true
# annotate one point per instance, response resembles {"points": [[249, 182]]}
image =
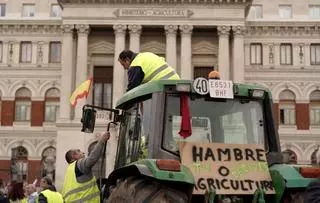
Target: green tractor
{"points": [[148, 165]]}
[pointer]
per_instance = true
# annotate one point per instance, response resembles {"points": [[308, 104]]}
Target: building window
{"points": [[29, 10], [285, 11], [314, 11], [255, 54], [315, 108], [255, 12], [2, 10], [287, 108], [26, 52], [102, 87], [201, 72], [55, 52], [23, 105], [315, 54], [48, 162], [52, 105], [285, 54], [19, 164], [55, 10]]}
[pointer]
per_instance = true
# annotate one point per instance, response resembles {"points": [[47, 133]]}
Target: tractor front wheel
{"points": [[144, 190]]}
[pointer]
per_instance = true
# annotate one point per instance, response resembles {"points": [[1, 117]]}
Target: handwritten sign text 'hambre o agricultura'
{"points": [[227, 168]]}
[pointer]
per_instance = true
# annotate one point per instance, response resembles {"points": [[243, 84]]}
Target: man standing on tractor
{"points": [[80, 183], [145, 67]]}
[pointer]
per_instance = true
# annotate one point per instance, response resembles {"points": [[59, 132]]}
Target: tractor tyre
{"points": [[145, 190], [297, 197]]}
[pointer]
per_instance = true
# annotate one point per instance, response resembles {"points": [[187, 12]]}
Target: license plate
{"points": [[221, 89]]}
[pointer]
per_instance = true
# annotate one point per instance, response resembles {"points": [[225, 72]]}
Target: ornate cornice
{"points": [[238, 30], [224, 30], [119, 28], [135, 29], [83, 29], [186, 29], [174, 2], [288, 30], [171, 29], [30, 29]]}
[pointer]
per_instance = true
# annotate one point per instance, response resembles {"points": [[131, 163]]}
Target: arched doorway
{"points": [[19, 164], [48, 160]]}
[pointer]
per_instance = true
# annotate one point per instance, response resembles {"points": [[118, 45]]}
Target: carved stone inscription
{"points": [[159, 12]]}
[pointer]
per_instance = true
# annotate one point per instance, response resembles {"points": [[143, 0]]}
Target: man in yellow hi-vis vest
{"points": [[80, 185], [144, 67]]}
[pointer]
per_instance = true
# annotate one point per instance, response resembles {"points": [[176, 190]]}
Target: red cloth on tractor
{"points": [[185, 128]]}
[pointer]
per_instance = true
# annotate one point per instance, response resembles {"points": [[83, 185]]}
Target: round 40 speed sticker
{"points": [[201, 86]]}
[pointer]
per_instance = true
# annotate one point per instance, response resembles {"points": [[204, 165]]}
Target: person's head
{"points": [[125, 58], [30, 189], [74, 155], [214, 75], [16, 191], [46, 183]]}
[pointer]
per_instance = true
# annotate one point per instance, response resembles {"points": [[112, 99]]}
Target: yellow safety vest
{"points": [[74, 192], [154, 67], [52, 197], [24, 200]]}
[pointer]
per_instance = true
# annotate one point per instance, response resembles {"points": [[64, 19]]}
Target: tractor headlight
{"points": [[256, 93], [183, 87]]}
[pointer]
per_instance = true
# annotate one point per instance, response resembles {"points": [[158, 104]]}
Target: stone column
{"points": [[223, 58], [265, 54], [135, 32], [5, 52], [34, 52], [16, 52], [276, 56], [307, 55], [186, 71], [82, 65], [247, 54], [238, 54], [46, 52], [295, 54], [171, 45], [119, 76], [66, 72]]}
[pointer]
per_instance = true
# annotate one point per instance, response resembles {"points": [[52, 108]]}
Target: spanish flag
{"points": [[81, 91]]}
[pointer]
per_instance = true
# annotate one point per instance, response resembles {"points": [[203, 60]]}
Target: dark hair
{"points": [[48, 180], [68, 156], [16, 191], [126, 54]]}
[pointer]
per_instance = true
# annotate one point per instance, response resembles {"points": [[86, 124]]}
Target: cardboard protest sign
{"points": [[227, 168]]}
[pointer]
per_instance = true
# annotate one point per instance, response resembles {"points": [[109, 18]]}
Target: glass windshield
{"points": [[229, 121]]}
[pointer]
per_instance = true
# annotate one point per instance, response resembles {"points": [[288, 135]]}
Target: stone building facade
{"points": [[47, 51]]}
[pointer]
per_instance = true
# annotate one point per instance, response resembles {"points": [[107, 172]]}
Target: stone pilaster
{"points": [[66, 72], [223, 58], [171, 44], [135, 32], [119, 76], [238, 53], [186, 71], [82, 64], [307, 54], [34, 52], [5, 51]]}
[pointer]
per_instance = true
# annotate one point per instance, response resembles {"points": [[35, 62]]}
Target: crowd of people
{"points": [[22, 192]]}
